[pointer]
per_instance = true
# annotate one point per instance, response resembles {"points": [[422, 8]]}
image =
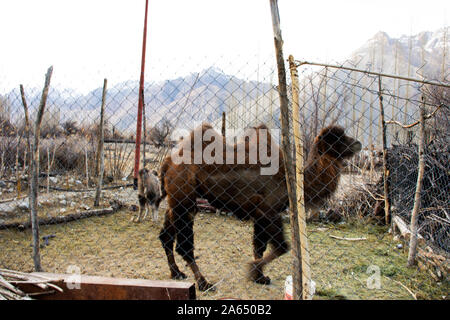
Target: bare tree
{"points": [[160, 133], [70, 127], [438, 131]]}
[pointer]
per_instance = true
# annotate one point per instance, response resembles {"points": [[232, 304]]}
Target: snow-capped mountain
{"points": [[203, 96]]}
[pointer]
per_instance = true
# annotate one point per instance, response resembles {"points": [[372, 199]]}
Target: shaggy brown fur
{"points": [[241, 189]]}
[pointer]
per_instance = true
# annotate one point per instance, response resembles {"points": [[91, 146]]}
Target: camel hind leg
{"points": [[267, 230], [167, 238], [260, 241]]}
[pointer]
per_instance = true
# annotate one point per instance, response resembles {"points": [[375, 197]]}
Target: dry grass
{"points": [[114, 246]]}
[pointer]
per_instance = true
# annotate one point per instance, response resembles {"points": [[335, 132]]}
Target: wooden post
{"points": [[86, 164], [407, 92], [101, 163], [396, 94], [18, 185], [386, 181], [34, 189], [287, 154], [224, 123], [27, 119], [371, 138], [48, 169], [144, 128], [298, 137], [417, 198]]}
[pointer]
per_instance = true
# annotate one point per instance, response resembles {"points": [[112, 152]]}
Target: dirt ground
{"points": [[113, 246]]}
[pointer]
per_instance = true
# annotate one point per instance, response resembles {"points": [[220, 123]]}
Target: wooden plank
{"points": [[107, 288], [405, 231]]}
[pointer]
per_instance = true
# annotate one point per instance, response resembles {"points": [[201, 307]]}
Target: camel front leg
{"points": [[185, 247]]}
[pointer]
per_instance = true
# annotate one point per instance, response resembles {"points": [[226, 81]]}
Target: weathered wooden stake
{"points": [[386, 180], [298, 138], [27, 119], [101, 165], [417, 198], [19, 185], [86, 164], [224, 123], [48, 169], [287, 154], [34, 189], [144, 128]]}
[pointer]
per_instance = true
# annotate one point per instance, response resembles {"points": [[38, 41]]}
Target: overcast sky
{"points": [[87, 40]]}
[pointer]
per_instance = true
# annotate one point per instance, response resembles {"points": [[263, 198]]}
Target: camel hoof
{"points": [[178, 276], [206, 286], [256, 274], [263, 280]]}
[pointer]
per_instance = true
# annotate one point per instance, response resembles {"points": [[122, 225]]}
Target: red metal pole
{"points": [[137, 153]]}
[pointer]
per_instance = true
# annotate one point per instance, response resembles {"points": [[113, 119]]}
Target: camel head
{"points": [[333, 142]]}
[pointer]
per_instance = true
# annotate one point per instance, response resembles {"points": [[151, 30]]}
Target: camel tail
{"points": [[162, 176]]}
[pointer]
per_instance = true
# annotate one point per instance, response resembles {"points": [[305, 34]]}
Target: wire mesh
{"points": [[352, 254]]}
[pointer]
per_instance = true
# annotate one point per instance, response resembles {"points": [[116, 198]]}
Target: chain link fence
{"points": [[354, 253]]}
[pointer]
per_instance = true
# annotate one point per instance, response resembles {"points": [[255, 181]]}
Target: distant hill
{"points": [[203, 96]]}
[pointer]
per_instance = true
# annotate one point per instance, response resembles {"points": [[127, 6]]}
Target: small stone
{"points": [[399, 246], [24, 205], [62, 210], [53, 180]]}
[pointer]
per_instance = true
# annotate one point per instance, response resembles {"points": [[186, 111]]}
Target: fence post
{"points": [[298, 138], [34, 188], [286, 150], [224, 124], [144, 128], [27, 119], [386, 180], [137, 152], [417, 197], [101, 162]]}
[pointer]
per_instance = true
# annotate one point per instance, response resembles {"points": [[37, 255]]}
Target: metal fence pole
{"points": [[137, 153]]}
